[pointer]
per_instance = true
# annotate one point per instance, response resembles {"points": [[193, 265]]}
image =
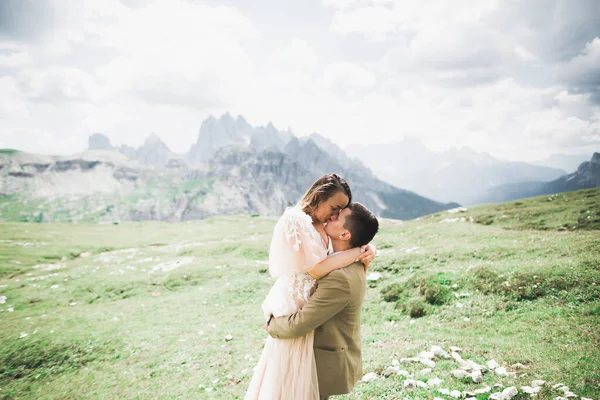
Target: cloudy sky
{"points": [[517, 78]]}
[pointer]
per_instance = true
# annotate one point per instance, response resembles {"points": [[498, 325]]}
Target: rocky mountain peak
{"points": [[154, 141], [242, 124], [586, 176], [98, 141], [226, 118], [154, 151], [228, 124], [271, 128], [208, 125]]}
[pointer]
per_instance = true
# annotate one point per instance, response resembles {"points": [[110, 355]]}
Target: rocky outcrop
{"points": [[226, 131], [269, 138], [586, 176], [218, 133], [380, 197], [96, 186]]}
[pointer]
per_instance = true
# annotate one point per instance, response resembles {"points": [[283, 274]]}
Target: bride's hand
{"points": [[367, 254]]}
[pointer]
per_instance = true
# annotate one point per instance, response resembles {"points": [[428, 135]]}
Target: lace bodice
{"points": [[295, 248], [296, 245]]}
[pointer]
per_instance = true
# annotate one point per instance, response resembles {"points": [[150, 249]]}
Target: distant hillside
{"points": [[586, 176], [247, 170], [461, 175]]}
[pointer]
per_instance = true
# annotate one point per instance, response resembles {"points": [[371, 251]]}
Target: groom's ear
{"points": [[346, 235]]}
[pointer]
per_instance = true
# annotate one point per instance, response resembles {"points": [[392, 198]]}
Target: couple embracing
{"points": [[319, 254]]}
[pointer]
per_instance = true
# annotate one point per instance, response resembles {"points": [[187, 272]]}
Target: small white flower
{"points": [[23, 334], [54, 287], [2, 299], [10, 309]]}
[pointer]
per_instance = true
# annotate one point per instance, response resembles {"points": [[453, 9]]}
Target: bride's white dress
{"points": [[286, 368]]}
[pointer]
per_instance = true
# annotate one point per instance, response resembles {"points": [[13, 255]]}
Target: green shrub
{"points": [[485, 220], [435, 293], [573, 287], [393, 292], [417, 308]]}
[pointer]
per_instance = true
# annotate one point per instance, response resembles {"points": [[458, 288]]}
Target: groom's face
{"points": [[335, 227]]}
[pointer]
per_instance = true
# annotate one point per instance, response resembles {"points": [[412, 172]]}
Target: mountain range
{"points": [[232, 168], [462, 175], [586, 176]]}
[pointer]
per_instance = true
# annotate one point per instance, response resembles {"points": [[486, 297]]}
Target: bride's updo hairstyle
{"points": [[323, 188]]}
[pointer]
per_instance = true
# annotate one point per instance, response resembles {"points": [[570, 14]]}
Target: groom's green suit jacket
{"points": [[333, 312]]}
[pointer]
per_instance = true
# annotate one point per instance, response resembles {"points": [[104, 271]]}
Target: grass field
{"points": [[142, 310]]}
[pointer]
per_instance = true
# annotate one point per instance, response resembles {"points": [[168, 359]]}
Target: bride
{"points": [[298, 257]]}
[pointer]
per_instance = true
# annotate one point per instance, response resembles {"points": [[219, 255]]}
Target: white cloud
{"points": [[297, 54], [56, 84], [12, 102], [15, 59], [178, 43], [343, 76], [375, 22], [583, 71], [478, 73], [164, 59]]}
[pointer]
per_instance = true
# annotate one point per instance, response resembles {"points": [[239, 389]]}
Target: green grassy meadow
{"points": [[142, 310]]}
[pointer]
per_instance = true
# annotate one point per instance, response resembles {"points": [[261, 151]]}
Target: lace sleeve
{"points": [[288, 295], [296, 246]]}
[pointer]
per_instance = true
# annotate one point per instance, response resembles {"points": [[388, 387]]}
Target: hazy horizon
{"points": [[517, 80]]}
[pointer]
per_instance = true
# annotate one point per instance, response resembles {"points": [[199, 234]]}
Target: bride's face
{"points": [[331, 207], [335, 228]]}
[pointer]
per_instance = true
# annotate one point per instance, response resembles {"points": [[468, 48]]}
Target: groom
{"points": [[333, 312]]}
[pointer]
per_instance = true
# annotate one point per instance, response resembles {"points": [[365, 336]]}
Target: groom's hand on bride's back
{"points": [[266, 327]]}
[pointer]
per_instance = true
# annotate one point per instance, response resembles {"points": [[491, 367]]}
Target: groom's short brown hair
{"points": [[362, 224]]}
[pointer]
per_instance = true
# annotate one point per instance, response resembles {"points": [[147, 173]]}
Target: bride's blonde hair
{"points": [[323, 188]]}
